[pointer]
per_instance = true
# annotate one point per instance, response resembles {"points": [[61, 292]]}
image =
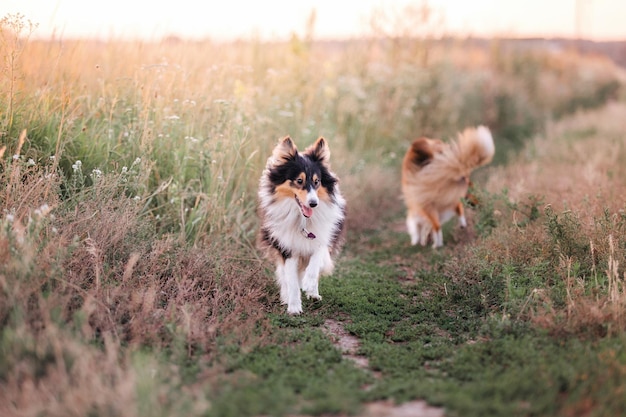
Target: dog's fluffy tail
{"points": [[475, 147]]}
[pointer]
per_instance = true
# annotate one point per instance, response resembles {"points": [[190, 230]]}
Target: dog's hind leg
{"points": [[424, 230], [310, 281], [432, 218], [328, 266], [460, 211], [413, 226], [281, 280], [437, 238], [290, 272]]}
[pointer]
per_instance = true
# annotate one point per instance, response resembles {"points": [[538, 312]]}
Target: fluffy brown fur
{"points": [[436, 176]]}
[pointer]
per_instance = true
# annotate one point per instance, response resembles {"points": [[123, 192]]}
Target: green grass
{"points": [[455, 344], [301, 372]]}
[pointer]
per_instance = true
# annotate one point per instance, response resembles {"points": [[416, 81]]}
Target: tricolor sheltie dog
{"points": [[435, 178], [302, 218]]}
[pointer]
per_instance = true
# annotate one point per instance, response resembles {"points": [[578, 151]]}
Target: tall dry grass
{"points": [[554, 224], [86, 284]]}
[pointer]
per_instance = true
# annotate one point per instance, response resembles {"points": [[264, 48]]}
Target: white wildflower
{"points": [[30, 162], [43, 210]]}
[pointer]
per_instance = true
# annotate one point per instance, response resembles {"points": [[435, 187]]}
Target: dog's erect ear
{"points": [[285, 150], [319, 151], [421, 152]]}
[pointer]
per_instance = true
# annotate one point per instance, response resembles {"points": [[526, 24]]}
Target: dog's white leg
{"points": [[310, 282], [460, 211], [412, 228], [425, 230], [290, 271], [437, 238], [462, 221], [282, 282], [327, 264]]}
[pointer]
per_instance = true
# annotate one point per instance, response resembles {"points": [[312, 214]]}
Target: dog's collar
{"points": [[307, 234]]}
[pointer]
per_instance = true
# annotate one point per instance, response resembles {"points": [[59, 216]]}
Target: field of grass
{"points": [[129, 279]]}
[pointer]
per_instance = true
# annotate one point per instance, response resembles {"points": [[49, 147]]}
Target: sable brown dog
{"points": [[436, 176]]}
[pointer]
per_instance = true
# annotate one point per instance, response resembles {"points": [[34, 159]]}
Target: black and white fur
{"points": [[302, 218]]}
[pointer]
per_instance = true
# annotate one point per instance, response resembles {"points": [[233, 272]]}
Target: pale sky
{"points": [[278, 19]]}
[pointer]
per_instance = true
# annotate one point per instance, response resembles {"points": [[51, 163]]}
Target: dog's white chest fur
{"points": [[287, 224]]}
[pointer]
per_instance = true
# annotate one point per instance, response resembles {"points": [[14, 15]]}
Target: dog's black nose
{"points": [[313, 204]]}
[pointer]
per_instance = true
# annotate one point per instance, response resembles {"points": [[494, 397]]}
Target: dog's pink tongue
{"points": [[307, 211]]}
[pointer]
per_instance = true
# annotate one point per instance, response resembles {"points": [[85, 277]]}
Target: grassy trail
{"points": [[474, 328]]}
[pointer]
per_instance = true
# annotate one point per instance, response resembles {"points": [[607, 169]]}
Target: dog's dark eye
{"points": [[316, 182], [299, 181]]}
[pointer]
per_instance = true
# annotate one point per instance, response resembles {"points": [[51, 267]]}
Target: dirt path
{"points": [[349, 346]]}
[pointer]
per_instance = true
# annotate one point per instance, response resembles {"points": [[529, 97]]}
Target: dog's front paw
{"points": [[313, 293], [315, 296], [295, 309], [294, 306], [310, 287]]}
